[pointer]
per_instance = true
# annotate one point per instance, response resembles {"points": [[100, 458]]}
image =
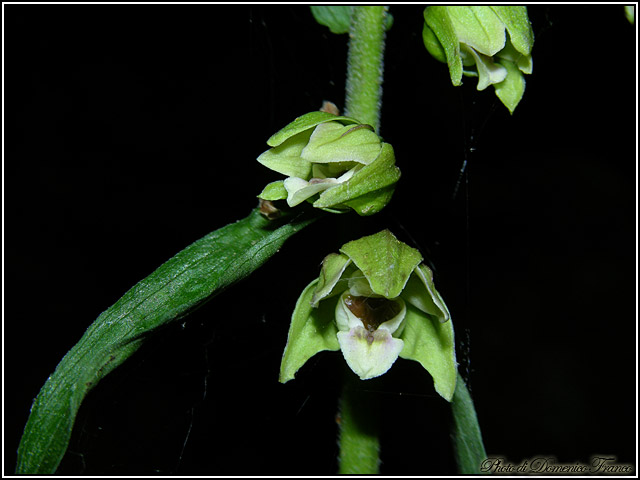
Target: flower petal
{"points": [[368, 354], [345, 319], [395, 325], [421, 292], [489, 72], [299, 190], [334, 266]]}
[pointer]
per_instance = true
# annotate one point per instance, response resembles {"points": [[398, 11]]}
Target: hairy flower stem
{"points": [[358, 437], [358, 421], [365, 65]]}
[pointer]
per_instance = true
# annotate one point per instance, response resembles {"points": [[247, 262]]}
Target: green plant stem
{"points": [[359, 443], [365, 65], [467, 438], [358, 432]]}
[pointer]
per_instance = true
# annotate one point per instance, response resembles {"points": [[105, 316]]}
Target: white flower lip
{"points": [[369, 353]]}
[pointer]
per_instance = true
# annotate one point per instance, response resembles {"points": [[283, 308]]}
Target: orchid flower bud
{"points": [[334, 162], [374, 301], [473, 41]]}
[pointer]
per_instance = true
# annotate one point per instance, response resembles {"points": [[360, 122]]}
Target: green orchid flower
{"points": [[374, 301], [334, 162], [473, 41]]}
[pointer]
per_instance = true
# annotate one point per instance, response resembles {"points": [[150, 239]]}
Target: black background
{"points": [[132, 130]]}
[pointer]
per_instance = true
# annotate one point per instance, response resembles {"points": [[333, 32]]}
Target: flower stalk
{"points": [[365, 65], [363, 101]]}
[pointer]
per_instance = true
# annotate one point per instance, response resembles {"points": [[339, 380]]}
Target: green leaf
{"points": [[336, 17], [312, 330], [511, 90], [370, 188], [187, 280], [629, 12], [430, 343], [274, 191], [384, 260], [467, 438], [305, 122], [517, 23], [438, 20]]}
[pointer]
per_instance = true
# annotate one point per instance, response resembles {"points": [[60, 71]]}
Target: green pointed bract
{"points": [[382, 305], [333, 162], [384, 260], [431, 343], [312, 330], [478, 41]]}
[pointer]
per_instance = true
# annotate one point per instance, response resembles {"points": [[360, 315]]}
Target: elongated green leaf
{"points": [[336, 17], [190, 278], [467, 438]]}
